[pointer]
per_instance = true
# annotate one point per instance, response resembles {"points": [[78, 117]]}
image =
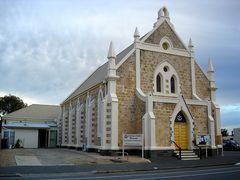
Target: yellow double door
{"points": [[181, 134]]}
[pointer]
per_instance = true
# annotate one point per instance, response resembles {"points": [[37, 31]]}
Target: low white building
{"points": [[34, 126], [236, 134]]}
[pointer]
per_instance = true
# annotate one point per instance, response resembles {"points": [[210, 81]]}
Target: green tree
{"points": [[224, 132], [11, 103]]}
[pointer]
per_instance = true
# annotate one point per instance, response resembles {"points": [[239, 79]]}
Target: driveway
{"points": [[55, 156]]}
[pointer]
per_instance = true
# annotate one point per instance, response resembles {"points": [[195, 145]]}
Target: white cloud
{"points": [[47, 48], [26, 99], [231, 108]]}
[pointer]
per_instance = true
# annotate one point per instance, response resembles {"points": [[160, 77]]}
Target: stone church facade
{"points": [[154, 87]]}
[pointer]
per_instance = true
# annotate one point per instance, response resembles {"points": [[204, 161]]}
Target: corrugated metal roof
{"points": [[34, 112], [98, 75]]}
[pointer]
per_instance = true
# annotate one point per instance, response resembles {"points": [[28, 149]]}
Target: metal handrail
{"points": [[179, 149]]}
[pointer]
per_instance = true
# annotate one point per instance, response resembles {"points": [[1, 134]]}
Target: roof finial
{"points": [[163, 13], [111, 52], [136, 35]]}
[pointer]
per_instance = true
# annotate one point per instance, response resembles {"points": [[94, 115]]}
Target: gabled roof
{"points": [[98, 75], [34, 113]]}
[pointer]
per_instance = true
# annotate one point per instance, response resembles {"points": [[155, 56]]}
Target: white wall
{"points": [[236, 134], [29, 137]]}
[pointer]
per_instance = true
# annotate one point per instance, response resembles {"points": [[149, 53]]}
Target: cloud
{"points": [[230, 116], [47, 48], [231, 108], [47, 53], [25, 98]]}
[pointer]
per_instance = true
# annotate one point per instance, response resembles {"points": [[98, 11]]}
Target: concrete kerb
{"points": [[159, 169], [125, 170]]}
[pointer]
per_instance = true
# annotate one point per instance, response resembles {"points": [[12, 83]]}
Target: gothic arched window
{"points": [[158, 83], [166, 80], [173, 85]]}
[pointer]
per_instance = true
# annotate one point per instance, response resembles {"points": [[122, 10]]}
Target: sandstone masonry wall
{"points": [[130, 109], [202, 83], [165, 30], [200, 117], [182, 65], [163, 132]]}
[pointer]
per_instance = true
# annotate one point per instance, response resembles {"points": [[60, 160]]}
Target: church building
{"points": [[154, 87]]}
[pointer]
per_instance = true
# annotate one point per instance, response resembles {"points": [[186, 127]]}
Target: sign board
{"points": [[132, 139], [203, 140]]}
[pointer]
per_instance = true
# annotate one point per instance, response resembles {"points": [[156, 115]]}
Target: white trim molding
{"points": [[78, 122], [211, 126], [181, 106], [166, 79], [99, 113], [149, 123], [159, 48]]}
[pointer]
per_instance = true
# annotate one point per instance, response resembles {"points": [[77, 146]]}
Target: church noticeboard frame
{"points": [[133, 140], [203, 140]]}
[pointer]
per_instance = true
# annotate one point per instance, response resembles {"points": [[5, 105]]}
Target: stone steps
{"points": [[187, 155]]}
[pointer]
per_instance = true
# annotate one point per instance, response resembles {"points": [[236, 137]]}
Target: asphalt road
{"points": [[217, 172]]}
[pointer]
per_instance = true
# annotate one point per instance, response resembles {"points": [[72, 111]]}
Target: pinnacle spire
{"points": [[210, 75], [111, 51], [190, 45], [136, 33], [210, 66]]}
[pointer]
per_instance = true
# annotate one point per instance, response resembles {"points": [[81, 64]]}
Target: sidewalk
{"points": [[54, 157], [229, 158], [161, 163]]}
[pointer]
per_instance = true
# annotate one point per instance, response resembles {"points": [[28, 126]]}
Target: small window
{"points": [[158, 82], [173, 88], [180, 117], [165, 69], [165, 45]]}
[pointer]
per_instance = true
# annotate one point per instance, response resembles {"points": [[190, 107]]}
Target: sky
{"points": [[47, 48]]}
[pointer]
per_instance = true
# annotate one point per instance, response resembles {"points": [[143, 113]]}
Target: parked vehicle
{"points": [[230, 145]]}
